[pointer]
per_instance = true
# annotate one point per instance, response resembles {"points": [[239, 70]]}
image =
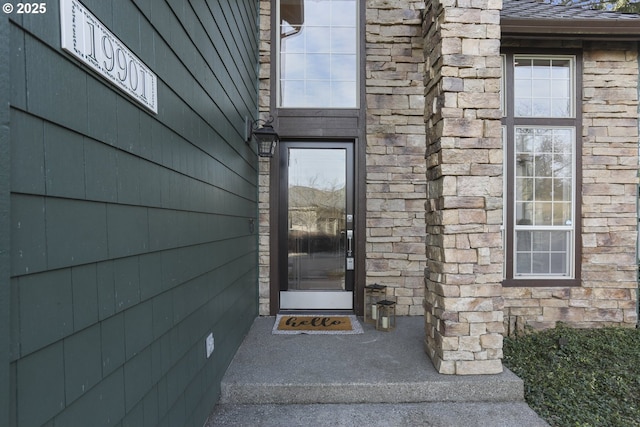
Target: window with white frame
{"points": [[543, 87], [541, 155]]}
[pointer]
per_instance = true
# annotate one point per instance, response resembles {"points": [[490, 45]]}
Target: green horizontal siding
{"points": [[130, 237], [8, 321]]}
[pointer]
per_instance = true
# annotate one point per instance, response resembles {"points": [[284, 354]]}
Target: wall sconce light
{"points": [[265, 136]]}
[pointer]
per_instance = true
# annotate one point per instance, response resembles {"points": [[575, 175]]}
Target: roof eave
{"points": [[585, 29]]}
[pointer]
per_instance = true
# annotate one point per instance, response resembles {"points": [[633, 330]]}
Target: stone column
{"points": [[463, 295]]}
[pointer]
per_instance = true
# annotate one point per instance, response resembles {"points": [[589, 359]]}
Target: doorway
{"points": [[316, 243]]}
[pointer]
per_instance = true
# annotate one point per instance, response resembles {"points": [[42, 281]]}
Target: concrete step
{"points": [[370, 379], [373, 367], [450, 414], [505, 387]]}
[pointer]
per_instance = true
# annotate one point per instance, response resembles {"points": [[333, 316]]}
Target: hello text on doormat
{"points": [[310, 324]]}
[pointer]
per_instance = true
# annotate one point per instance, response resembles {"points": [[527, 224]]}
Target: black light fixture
{"points": [[265, 136]]}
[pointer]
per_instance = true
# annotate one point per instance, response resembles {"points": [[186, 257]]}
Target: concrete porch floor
{"points": [[375, 378]]}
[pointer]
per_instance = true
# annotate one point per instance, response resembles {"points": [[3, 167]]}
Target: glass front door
{"points": [[316, 222]]}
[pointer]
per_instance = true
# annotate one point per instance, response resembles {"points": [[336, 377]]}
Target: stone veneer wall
{"points": [[395, 165], [395, 170], [463, 297], [608, 294], [264, 99], [464, 300]]}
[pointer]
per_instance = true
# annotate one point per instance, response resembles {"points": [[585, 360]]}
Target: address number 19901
{"points": [[117, 60], [86, 38]]}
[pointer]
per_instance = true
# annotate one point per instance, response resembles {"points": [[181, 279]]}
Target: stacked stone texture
{"points": [[608, 291], [453, 85], [463, 297], [395, 167], [264, 107]]}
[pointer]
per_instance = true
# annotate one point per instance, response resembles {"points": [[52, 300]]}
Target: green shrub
{"points": [[579, 377]]}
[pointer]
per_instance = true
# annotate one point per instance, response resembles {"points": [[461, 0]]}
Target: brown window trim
{"points": [[541, 283], [510, 121]]}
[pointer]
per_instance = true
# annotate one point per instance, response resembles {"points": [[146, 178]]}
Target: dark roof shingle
{"points": [[534, 9], [535, 19]]}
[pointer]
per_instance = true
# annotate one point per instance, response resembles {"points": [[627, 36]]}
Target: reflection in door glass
{"points": [[316, 219]]}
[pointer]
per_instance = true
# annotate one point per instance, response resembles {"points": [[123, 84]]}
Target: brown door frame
{"points": [[323, 124], [358, 208]]}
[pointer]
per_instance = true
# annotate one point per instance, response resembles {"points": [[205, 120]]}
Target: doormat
{"points": [[316, 324]]}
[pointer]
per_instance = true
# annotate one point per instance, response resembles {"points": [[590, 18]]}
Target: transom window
{"points": [[318, 53], [543, 87], [541, 147]]}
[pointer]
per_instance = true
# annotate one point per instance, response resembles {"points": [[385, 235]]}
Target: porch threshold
{"points": [[344, 372]]}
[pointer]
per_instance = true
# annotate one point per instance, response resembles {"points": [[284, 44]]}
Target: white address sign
{"points": [[86, 38]]}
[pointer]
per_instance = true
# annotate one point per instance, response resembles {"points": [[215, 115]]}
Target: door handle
{"points": [[350, 260]]}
